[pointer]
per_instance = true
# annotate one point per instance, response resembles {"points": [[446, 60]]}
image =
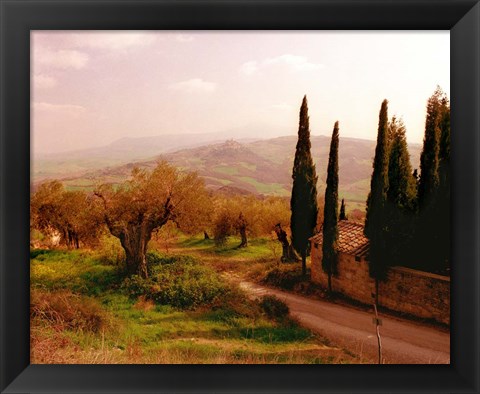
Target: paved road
{"points": [[403, 342]]}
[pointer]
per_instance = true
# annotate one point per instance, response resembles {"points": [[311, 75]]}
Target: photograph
{"points": [[240, 197]]}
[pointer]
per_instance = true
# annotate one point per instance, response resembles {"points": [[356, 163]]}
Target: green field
{"points": [[226, 170], [275, 189]]}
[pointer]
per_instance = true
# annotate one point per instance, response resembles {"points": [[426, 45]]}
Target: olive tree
{"points": [[146, 202], [72, 215]]}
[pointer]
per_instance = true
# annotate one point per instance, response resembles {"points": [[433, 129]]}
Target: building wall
{"points": [[406, 290]]}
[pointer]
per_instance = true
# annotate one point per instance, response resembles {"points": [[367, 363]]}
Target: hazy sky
{"points": [[91, 88]]}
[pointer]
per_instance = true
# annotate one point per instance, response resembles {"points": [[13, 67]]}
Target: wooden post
{"points": [[378, 322]]}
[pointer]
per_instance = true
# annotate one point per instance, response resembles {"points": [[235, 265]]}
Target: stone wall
{"points": [[406, 290]]}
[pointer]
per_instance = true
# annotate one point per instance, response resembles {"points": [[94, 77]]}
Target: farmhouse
{"points": [[405, 290]]}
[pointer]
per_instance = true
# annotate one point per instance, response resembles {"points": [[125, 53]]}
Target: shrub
{"points": [[64, 310], [284, 278], [110, 251], [223, 228], [233, 307], [181, 283], [274, 308], [155, 258]]}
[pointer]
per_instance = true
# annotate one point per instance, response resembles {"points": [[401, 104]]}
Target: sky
{"points": [[90, 88]]}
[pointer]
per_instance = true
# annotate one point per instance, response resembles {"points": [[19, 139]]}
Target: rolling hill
{"points": [[125, 150], [260, 167]]}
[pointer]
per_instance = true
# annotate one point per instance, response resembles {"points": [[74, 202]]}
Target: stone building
{"points": [[405, 290]]}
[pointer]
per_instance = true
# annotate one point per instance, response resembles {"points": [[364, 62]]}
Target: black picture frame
{"points": [[19, 17]]}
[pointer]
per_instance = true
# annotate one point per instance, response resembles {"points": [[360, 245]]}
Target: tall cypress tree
{"points": [[375, 222], [433, 221], [444, 151], [401, 181], [444, 191], [429, 178], [401, 196], [303, 203], [330, 213]]}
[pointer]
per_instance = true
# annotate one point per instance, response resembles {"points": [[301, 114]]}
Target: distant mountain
{"points": [[260, 167], [130, 149]]}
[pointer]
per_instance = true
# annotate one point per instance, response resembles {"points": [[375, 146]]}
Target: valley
{"points": [[261, 167]]}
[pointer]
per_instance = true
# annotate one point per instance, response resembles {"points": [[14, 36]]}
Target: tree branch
{"points": [[115, 231]]}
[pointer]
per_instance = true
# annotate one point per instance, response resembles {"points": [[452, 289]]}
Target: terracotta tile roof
{"points": [[350, 239]]}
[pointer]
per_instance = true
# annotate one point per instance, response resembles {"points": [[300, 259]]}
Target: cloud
{"points": [[64, 109], [293, 62], [184, 38], [113, 40], [42, 81], [249, 68], [194, 85], [63, 58]]}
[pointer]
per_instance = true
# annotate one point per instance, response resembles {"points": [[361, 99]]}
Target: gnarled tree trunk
{"points": [[288, 254], [242, 229], [135, 241], [135, 232], [243, 235]]}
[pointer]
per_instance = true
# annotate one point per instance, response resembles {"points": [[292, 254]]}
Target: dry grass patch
{"points": [[64, 310]]}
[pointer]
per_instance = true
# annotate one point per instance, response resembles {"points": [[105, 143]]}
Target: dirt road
{"points": [[403, 342]]}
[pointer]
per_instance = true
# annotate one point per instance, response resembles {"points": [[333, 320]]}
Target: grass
{"points": [[275, 189], [224, 182], [249, 166], [250, 262], [227, 170], [82, 312], [257, 247], [78, 271]]}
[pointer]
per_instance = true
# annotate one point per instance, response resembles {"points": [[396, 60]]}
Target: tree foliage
{"points": [[71, 215], [401, 181], [146, 202], [434, 186], [444, 189], [375, 222], [303, 203], [408, 216], [247, 216], [330, 221], [401, 196], [429, 158]]}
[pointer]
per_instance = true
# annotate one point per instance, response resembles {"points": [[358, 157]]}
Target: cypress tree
{"points": [[401, 196], [342, 216], [444, 150], [330, 213], [401, 181], [429, 178], [375, 222], [303, 203], [444, 190], [433, 193], [415, 175]]}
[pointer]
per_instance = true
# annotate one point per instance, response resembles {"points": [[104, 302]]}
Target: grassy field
{"points": [[85, 310]]}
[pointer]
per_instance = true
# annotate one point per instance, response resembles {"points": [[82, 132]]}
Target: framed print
{"points": [[211, 189]]}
